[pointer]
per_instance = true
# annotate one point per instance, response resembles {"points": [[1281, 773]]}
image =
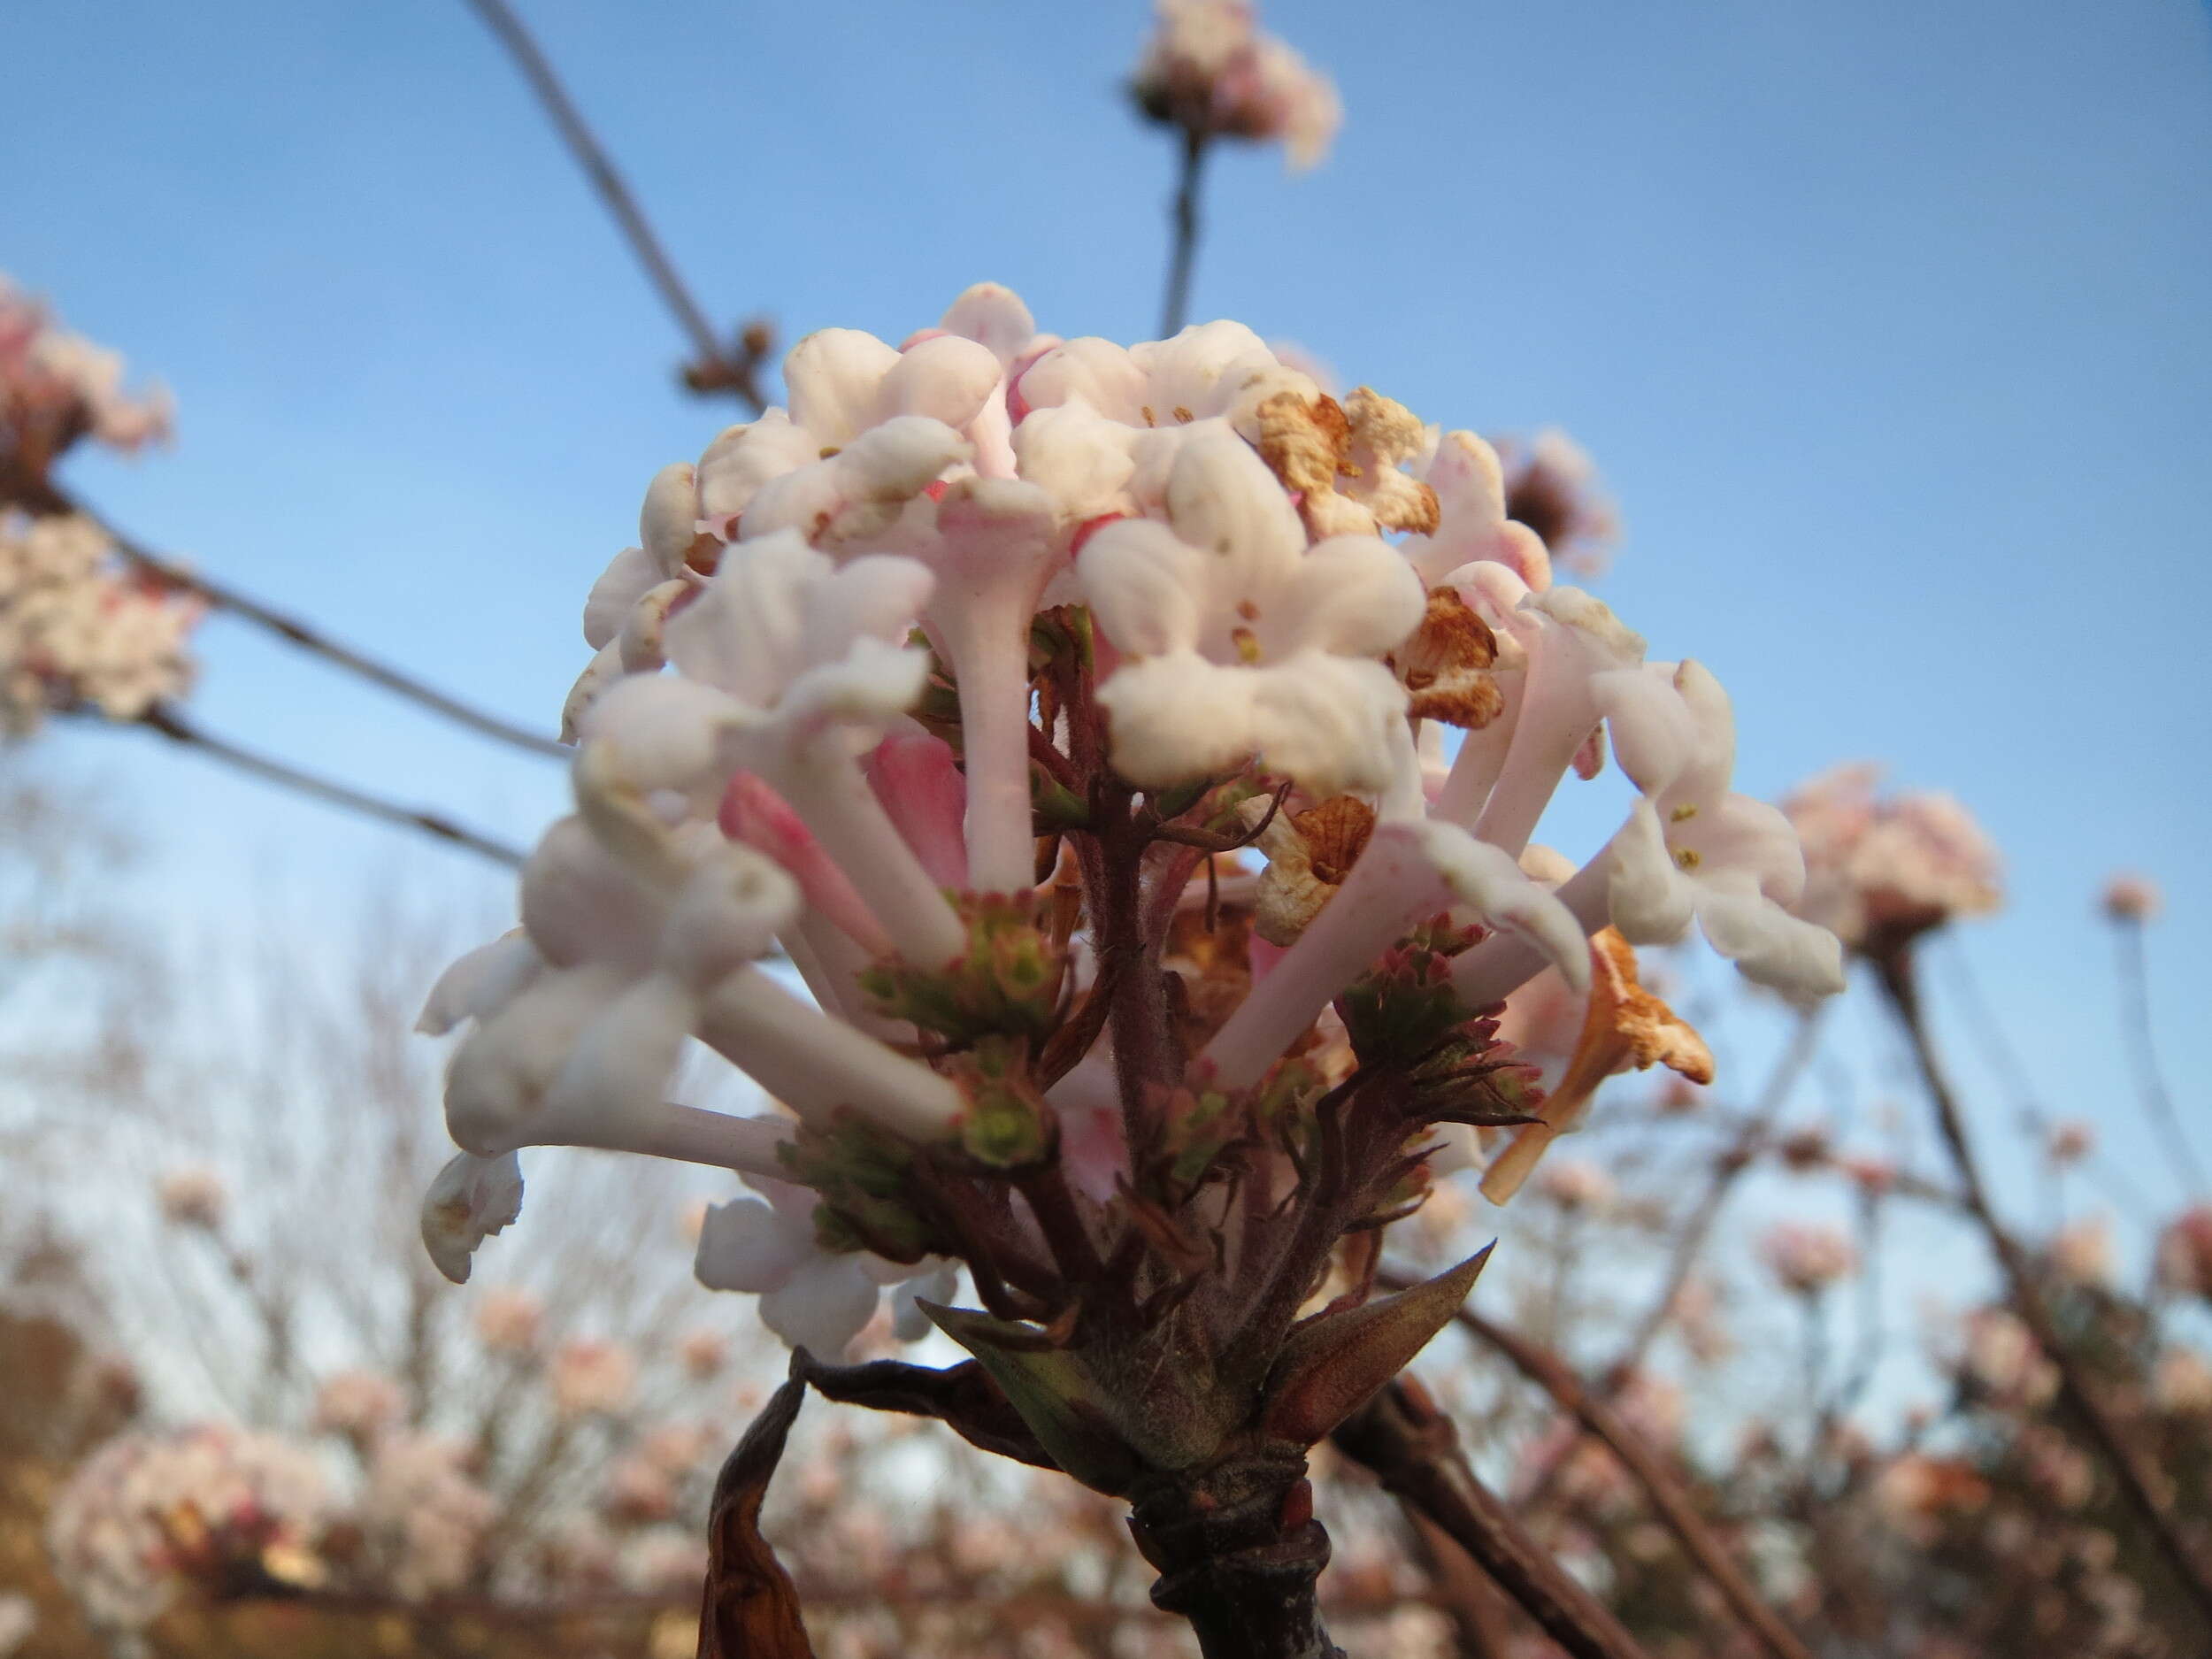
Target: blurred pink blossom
{"points": [[1878, 871], [1807, 1257], [1210, 71], [592, 1378]]}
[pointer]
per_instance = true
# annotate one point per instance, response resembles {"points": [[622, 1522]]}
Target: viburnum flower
{"points": [[423, 1513], [2081, 1252], [78, 630], [1879, 872], [592, 1377], [1139, 757], [1212, 71], [358, 1404], [57, 388], [508, 1319], [2181, 1382], [146, 1515], [2185, 1252], [1806, 1258]]}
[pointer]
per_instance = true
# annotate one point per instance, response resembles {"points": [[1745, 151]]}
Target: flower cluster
{"points": [[76, 628], [1210, 70], [229, 1513], [1879, 872], [1806, 1258], [1136, 755], [57, 388], [211, 1505]]}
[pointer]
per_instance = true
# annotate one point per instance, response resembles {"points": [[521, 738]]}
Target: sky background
{"points": [[1888, 324]]}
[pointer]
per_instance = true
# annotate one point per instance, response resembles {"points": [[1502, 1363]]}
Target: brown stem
{"points": [[1184, 256], [1894, 970], [1239, 1555], [1668, 1499], [1413, 1448], [714, 368], [174, 726], [2150, 1078], [1145, 1058], [1689, 1243]]}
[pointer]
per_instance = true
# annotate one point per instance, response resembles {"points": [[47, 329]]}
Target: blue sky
{"points": [[1887, 323]]}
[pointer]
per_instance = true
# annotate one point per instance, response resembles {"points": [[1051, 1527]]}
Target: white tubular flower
{"points": [[808, 1297], [1218, 369], [1410, 869], [1238, 641], [994, 553], [1470, 484], [472, 1199], [1569, 640], [812, 665], [1692, 849]]}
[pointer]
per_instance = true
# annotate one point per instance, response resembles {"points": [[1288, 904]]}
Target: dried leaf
{"points": [[1335, 1362], [751, 1610]]}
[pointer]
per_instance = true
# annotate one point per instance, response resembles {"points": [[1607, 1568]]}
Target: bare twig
{"points": [[2137, 1479], [1690, 1242], [1413, 1448], [43, 496], [174, 726], [1185, 254], [2158, 1104], [715, 367], [1668, 1499]]}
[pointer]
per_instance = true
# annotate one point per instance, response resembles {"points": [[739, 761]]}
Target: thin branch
{"points": [[1185, 254], [174, 726], [44, 497], [2158, 1104], [1668, 1499], [1690, 1242], [1414, 1449], [713, 367], [2137, 1479]]}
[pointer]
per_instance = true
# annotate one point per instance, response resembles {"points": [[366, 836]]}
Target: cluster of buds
{"points": [[1137, 754], [1212, 71], [57, 388], [79, 629], [1880, 872]]}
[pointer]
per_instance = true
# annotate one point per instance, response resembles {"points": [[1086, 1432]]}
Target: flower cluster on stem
{"points": [[1138, 755]]}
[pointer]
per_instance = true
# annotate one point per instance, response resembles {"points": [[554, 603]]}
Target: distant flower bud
{"points": [[192, 1198], [2133, 898]]}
